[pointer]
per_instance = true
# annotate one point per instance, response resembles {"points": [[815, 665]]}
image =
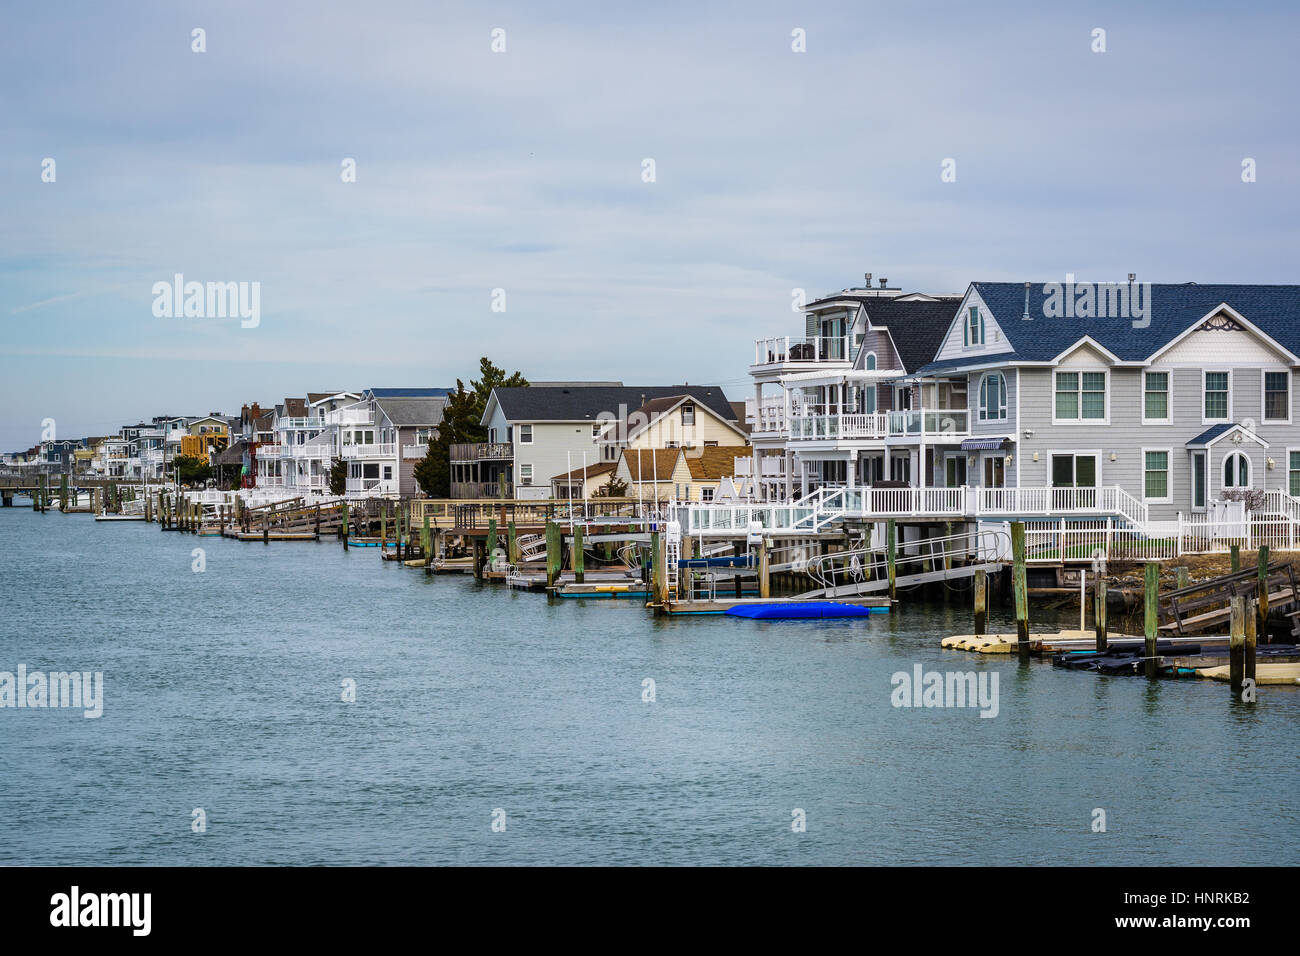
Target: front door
{"points": [[955, 471], [1074, 481]]}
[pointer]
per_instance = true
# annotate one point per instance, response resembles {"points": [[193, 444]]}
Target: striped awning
{"points": [[984, 444]]}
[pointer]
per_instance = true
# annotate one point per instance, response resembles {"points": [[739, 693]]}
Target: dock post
{"points": [[981, 601], [266, 529], [659, 572], [345, 525], [765, 569], [383, 529], [1248, 665], [579, 557], [554, 553], [1235, 552], [63, 492], [891, 545], [1237, 645], [1261, 613], [1020, 587], [1182, 578], [1099, 613], [492, 539], [947, 547], [512, 543], [426, 540], [1151, 606]]}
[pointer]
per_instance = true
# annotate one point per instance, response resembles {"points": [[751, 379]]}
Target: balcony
{"points": [[482, 451], [939, 424], [350, 416], [768, 419], [838, 427], [309, 422], [770, 467], [387, 450], [787, 350], [418, 450], [482, 489], [371, 486]]}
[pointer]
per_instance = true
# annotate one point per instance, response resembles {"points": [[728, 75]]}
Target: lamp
{"points": [[970, 461], [1010, 459], [1112, 456], [1270, 463], [1035, 456]]}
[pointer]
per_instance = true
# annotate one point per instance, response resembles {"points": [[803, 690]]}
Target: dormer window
{"points": [[688, 415], [974, 327]]}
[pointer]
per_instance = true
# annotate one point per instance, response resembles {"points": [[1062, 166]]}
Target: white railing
{"points": [[387, 450], [1066, 540], [418, 450], [831, 427], [350, 416], [300, 422], [376, 486], [769, 418], [936, 423], [780, 349], [271, 451], [1108, 499], [769, 466], [312, 450]]}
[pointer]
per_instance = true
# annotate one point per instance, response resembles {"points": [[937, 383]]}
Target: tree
{"points": [[460, 423], [191, 471], [338, 477], [616, 487]]}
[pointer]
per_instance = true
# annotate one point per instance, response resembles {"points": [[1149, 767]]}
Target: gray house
{"points": [[1173, 393]]}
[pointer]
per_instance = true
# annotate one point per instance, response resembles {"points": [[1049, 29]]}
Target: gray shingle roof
{"points": [[413, 411], [586, 403]]}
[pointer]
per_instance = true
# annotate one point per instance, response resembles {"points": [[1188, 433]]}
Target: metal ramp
{"points": [[865, 570]]}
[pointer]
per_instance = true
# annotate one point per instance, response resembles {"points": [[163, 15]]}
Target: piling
{"points": [[764, 569], [63, 492], [891, 559], [1182, 578], [1235, 552], [1261, 613], [426, 540], [1099, 613], [659, 573], [1151, 618], [1237, 644], [579, 556], [1248, 664], [512, 543], [1020, 587], [981, 601], [554, 556], [345, 525], [479, 547], [492, 539]]}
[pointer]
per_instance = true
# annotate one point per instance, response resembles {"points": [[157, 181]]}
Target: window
{"points": [[1236, 471], [388, 472], [870, 363], [1155, 401], [710, 444], [1216, 396], [525, 434], [974, 331], [1277, 396], [1156, 475], [688, 415], [1198, 479], [526, 474], [706, 494], [1293, 473], [1080, 395], [596, 429], [993, 397]]}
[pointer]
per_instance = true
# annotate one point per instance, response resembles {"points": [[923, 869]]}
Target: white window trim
{"points": [[966, 338], [1250, 470], [520, 434], [1168, 499], [1216, 421], [979, 406], [1263, 395], [1076, 452], [529, 466], [1169, 397], [875, 364], [1080, 371], [1286, 472], [1191, 489]]}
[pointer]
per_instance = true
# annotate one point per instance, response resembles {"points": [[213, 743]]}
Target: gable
{"points": [[1222, 338], [954, 343], [1086, 354]]}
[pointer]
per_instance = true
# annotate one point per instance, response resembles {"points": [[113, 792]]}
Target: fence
{"points": [[1091, 539]]}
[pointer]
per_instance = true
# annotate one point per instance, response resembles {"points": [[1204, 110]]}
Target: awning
{"points": [[984, 444]]}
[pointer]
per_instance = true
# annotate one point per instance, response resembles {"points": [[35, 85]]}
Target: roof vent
{"points": [[1025, 317], [883, 283], [867, 277]]}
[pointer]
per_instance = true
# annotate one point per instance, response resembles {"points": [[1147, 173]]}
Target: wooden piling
{"points": [[1020, 586], [492, 539], [764, 568], [981, 601], [383, 531], [891, 555], [512, 543], [579, 556], [426, 540], [1235, 552], [1099, 613], [659, 573], [63, 492], [1237, 644], [1151, 616], [1261, 612], [1182, 578], [554, 555], [345, 525], [1248, 663], [479, 549]]}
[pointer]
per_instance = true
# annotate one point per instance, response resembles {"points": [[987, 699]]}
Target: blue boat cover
{"points": [[799, 609]]}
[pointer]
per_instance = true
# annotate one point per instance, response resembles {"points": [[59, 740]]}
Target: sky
{"points": [[523, 170]]}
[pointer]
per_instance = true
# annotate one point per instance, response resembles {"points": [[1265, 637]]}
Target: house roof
{"points": [[408, 392], [593, 471], [917, 328], [541, 403], [656, 408], [1173, 309], [413, 411], [1216, 432], [654, 464], [713, 464], [295, 408]]}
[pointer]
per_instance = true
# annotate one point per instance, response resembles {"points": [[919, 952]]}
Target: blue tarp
{"points": [[800, 609], [731, 561]]}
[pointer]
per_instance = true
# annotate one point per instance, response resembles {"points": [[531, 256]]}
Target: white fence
{"points": [[1068, 540]]}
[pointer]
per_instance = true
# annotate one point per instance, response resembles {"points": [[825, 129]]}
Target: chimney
{"points": [[883, 283], [867, 276]]}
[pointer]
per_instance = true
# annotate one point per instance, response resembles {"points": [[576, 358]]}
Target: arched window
{"points": [[993, 397], [870, 363], [1236, 470]]}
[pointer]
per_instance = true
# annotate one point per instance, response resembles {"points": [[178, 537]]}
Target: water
{"points": [[223, 691]]}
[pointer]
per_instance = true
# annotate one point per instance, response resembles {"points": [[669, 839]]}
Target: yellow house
{"points": [[654, 474], [583, 482], [204, 437], [675, 421]]}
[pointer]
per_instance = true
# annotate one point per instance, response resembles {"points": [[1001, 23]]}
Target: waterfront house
{"points": [[550, 428], [583, 482]]}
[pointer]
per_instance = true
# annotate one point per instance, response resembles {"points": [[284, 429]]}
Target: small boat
{"points": [[801, 610]]}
